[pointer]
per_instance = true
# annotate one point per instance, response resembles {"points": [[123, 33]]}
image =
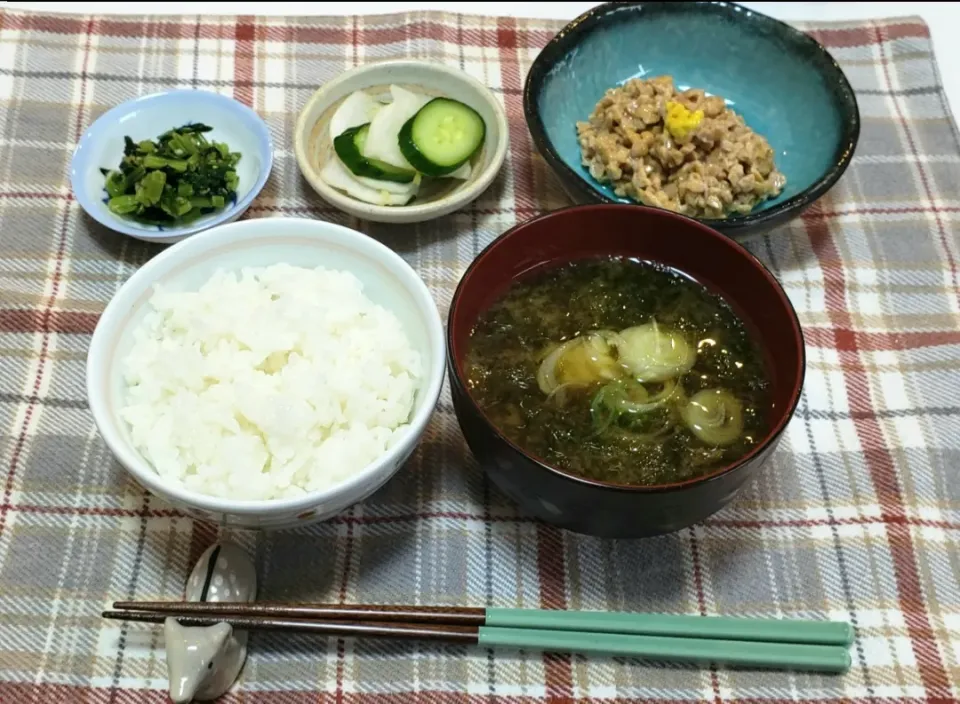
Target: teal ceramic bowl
{"points": [[783, 82]]}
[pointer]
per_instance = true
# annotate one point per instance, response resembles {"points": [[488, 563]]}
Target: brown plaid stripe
{"points": [[858, 517]]}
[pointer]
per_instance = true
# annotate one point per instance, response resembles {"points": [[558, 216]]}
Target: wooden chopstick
{"points": [[767, 630], [452, 615], [792, 656], [384, 629]]}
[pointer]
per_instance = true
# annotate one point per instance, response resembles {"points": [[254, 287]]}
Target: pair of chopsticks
{"points": [[820, 646]]}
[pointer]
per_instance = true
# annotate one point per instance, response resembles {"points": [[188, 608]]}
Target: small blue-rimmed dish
{"points": [[147, 117], [783, 83]]}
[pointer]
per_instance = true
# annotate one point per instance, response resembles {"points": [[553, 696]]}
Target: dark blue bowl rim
{"points": [[458, 382], [571, 33]]}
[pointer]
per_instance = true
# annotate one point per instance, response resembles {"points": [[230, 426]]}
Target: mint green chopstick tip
{"points": [[784, 656], [766, 630]]}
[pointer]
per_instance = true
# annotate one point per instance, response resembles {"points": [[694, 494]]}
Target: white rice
{"points": [[270, 384]]}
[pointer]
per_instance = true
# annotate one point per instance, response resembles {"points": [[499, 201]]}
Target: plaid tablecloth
{"points": [[858, 516]]}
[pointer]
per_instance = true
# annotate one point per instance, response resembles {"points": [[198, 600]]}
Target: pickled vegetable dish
{"points": [[173, 180], [621, 371], [391, 153]]}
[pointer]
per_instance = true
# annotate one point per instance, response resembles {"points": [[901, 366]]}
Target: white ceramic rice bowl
{"points": [[388, 280]]}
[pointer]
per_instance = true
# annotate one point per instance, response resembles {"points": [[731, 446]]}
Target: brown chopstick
{"points": [[450, 615], [779, 655], [384, 629]]}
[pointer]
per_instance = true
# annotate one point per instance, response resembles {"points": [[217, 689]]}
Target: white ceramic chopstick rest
{"points": [[202, 663]]}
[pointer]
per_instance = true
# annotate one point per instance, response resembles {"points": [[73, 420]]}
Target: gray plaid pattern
{"points": [[857, 517]]}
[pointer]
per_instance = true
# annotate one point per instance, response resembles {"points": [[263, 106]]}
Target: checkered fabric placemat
{"points": [[857, 517]]}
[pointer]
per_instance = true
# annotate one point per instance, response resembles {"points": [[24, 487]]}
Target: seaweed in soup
{"points": [[619, 370]]}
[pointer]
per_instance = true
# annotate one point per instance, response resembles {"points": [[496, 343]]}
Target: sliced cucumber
{"points": [[442, 136], [349, 147]]}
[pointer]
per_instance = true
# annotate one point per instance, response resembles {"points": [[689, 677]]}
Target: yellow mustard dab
{"points": [[679, 121]]}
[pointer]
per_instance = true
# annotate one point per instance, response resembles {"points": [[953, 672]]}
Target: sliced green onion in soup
{"points": [[603, 408], [651, 353], [627, 397], [582, 361], [636, 397], [715, 416]]}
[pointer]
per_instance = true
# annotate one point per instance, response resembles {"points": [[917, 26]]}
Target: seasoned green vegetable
{"points": [[621, 371], [173, 180]]}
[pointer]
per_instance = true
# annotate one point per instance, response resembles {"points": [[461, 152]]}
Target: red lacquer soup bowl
{"points": [[723, 266]]}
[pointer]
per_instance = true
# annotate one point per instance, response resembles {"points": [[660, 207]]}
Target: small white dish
{"points": [[149, 116], [313, 146], [387, 279]]}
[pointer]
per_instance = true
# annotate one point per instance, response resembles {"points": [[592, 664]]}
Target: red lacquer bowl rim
{"points": [[454, 356]]}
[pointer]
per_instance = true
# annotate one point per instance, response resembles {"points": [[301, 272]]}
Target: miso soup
{"points": [[619, 370]]}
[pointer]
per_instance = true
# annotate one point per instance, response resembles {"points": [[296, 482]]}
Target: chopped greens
{"points": [[174, 180]]}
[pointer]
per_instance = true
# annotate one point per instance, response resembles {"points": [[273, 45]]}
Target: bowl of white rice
{"points": [[267, 373]]}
